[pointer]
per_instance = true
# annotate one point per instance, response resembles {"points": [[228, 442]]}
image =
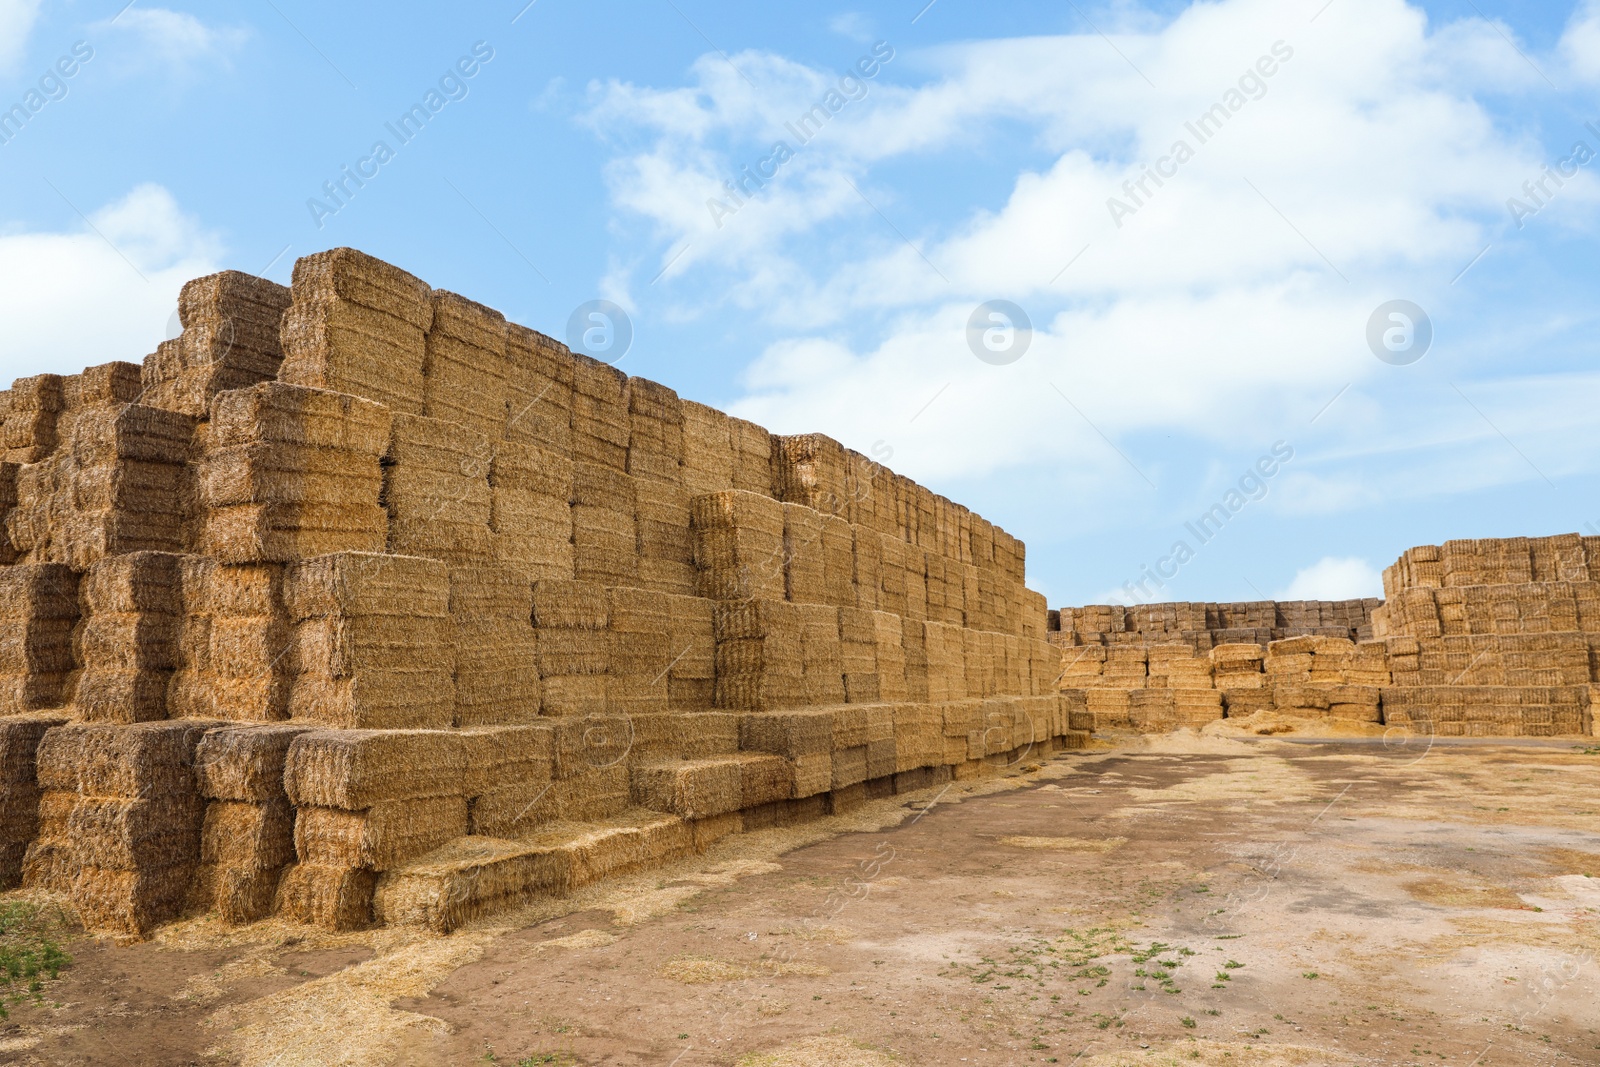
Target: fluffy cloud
{"points": [[1580, 44], [1221, 303], [129, 273], [1335, 579], [16, 23], [175, 38]]}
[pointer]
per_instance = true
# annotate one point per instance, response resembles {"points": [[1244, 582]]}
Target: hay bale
{"points": [[239, 895], [693, 789], [496, 755], [130, 902], [334, 898], [283, 414], [367, 584], [153, 759], [600, 424], [809, 469], [538, 391], [241, 835], [355, 769], [244, 763], [708, 455], [124, 835], [381, 837], [465, 365]]}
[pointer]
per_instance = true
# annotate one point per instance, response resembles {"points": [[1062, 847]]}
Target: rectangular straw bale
{"points": [[867, 548], [280, 413], [131, 902], [465, 364], [254, 533], [125, 835], [822, 664], [692, 789], [496, 755], [355, 769], [231, 319], [137, 582], [810, 469], [804, 569], [367, 584], [532, 469], [19, 745], [708, 454], [126, 761], [38, 591], [287, 474], [238, 895], [752, 457], [600, 425], [334, 898], [538, 391], [656, 439], [244, 763], [888, 635], [381, 837], [421, 698], [122, 695]]}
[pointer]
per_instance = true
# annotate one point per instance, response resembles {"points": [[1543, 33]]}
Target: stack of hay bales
{"points": [[760, 655], [128, 637], [895, 556], [366, 801], [655, 463], [888, 631], [944, 650], [19, 789], [247, 838], [372, 641], [753, 460], [838, 559], [359, 326], [120, 821], [531, 513], [436, 489], [538, 391], [491, 624], [867, 549], [708, 456], [1126, 666], [464, 365], [809, 469], [600, 423], [604, 528], [1238, 675], [570, 645], [229, 341], [1177, 666], [114, 484], [234, 643], [38, 613], [290, 472], [508, 777]]}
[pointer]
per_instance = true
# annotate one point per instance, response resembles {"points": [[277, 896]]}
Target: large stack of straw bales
{"points": [[1477, 638], [356, 603]]}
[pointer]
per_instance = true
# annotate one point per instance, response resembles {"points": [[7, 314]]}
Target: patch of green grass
{"points": [[1187, 1022], [30, 950]]}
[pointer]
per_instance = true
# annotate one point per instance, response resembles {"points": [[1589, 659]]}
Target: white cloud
{"points": [[50, 278], [1580, 44], [1232, 301], [852, 24], [1331, 578], [16, 23], [176, 37]]}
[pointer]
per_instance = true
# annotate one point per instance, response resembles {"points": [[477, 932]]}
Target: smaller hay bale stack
{"points": [[120, 822], [738, 546], [229, 341], [639, 636], [372, 641], [359, 326], [290, 472], [760, 655], [530, 515], [235, 645], [128, 637], [539, 374], [247, 837], [366, 801], [605, 538]]}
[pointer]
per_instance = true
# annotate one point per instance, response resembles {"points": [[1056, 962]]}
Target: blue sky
{"points": [[1175, 340]]}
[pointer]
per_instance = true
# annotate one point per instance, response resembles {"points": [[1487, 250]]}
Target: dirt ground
{"points": [[1186, 900]]}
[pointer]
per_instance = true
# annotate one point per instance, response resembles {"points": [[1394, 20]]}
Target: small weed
{"points": [[1187, 1022], [1310, 974]]}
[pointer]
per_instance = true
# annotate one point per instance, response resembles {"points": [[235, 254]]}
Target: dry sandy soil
{"points": [[1187, 900]]}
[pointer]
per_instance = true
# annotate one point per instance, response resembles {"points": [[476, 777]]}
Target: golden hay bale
{"points": [[274, 473], [359, 583], [384, 836], [246, 835], [256, 533], [130, 901], [137, 582], [693, 789], [345, 274], [469, 877], [19, 743], [569, 604], [513, 809], [144, 759], [238, 894], [125, 835], [280, 413], [488, 591], [788, 733], [355, 769], [334, 898], [377, 699], [244, 762]]}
